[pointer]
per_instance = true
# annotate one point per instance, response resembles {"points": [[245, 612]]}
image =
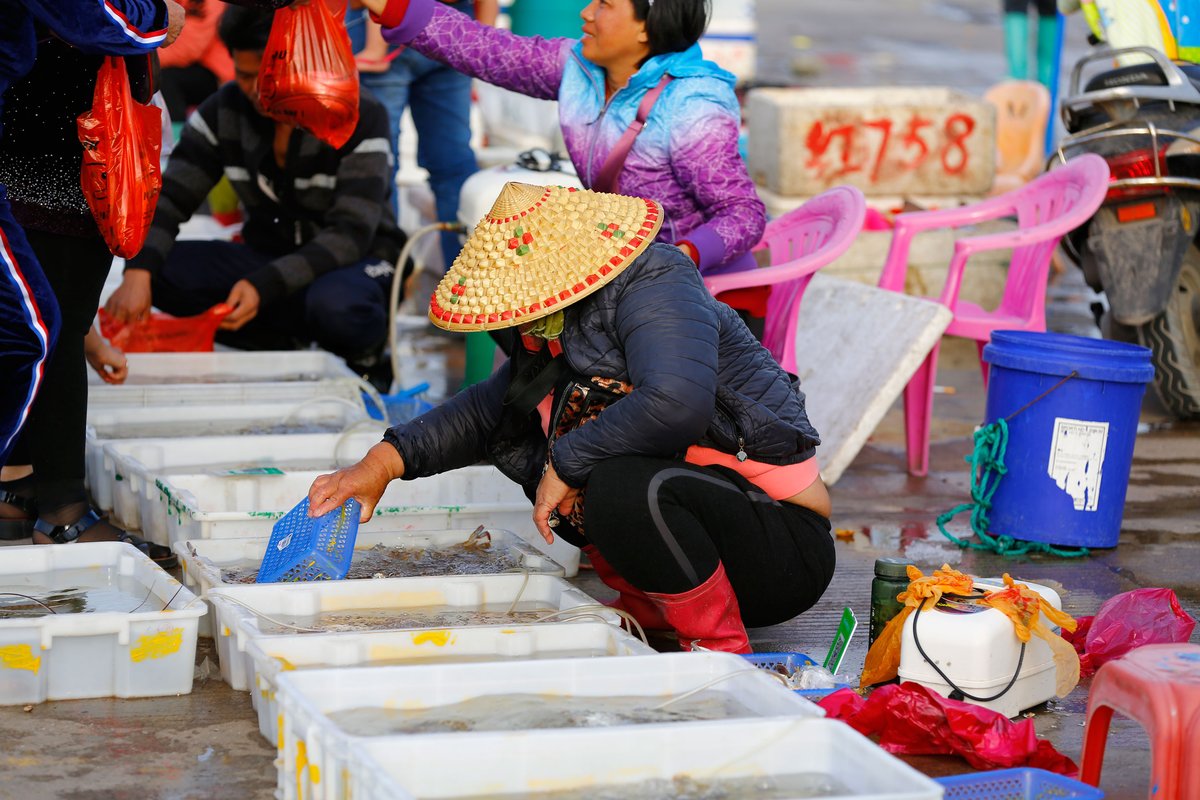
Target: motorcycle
{"points": [[1140, 248]]}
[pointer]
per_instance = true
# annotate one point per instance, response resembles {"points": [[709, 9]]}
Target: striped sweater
{"points": [[325, 210]]}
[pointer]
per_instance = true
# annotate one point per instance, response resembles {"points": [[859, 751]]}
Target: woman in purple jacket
{"points": [[686, 156]]}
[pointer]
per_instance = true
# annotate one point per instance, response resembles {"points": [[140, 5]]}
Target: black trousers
{"points": [[1045, 8], [664, 525], [343, 311], [52, 440]]}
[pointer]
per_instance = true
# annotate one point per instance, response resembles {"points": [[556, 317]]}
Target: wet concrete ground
{"points": [[206, 745]]}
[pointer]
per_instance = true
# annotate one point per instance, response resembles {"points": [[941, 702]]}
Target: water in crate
{"points": [[178, 429], [518, 712], [74, 591], [377, 619], [136, 379], [474, 556], [683, 787]]}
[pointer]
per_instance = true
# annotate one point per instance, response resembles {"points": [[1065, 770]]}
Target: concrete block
{"points": [[884, 140], [850, 372]]}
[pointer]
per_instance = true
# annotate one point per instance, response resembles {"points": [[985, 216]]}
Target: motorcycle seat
{"points": [[1148, 74]]}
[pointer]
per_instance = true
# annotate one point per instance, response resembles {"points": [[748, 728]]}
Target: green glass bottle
{"points": [[891, 578]]}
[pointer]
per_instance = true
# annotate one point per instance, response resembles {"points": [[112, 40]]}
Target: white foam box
{"points": [[519, 764], [275, 655], [131, 466], [308, 736], [977, 647], [327, 405], [199, 370], [892, 140], [204, 506], [147, 651], [203, 560], [232, 605]]}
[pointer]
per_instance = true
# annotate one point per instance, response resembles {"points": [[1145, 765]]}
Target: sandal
{"points": [[68, 534], [17, 527]]}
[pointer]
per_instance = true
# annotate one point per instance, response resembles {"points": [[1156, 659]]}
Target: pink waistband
{"points": [[779, 482]]}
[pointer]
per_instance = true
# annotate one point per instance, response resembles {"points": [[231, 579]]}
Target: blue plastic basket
{"points": [[303, 548], [1025, 783], [787, 663]]}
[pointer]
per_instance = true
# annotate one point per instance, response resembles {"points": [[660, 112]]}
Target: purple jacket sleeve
{"points": [[110, 27], [705, 159], [527, 64]]}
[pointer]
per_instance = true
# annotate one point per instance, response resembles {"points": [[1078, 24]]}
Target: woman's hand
{"points": [[374, 55], [131, 301], [108, 362], [552, 495], [365, 482], [244, 300]]}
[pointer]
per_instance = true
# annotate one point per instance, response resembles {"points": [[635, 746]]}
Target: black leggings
{"points": [[664, 525], [52, 440], [1045, 8]]}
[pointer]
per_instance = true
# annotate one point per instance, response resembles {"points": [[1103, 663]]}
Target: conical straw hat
{"points": [[538, 250]]}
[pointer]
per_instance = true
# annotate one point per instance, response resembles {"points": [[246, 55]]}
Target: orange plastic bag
{"points": [[1025, 607], [308, 75], [162, 333], [120, 176], [883, 659]]}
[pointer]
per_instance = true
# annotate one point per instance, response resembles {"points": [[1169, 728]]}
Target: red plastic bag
{"points": [[162, 333], [1127, 621], [910, 719], [308, 76], [120, 175]]}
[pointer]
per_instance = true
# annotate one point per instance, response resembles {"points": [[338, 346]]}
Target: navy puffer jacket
{"points": [[699, 377]]}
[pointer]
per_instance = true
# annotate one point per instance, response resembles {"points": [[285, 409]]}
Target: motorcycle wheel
{"points": [[1174, 341]]}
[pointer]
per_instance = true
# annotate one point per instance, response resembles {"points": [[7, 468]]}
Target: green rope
{"points": [[987, 468]]}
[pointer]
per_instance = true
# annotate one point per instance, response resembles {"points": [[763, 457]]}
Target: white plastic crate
{"points": [[325, 403], [203, 506], [525, 763], [232, 605], [131, 466], [274, 655], [307, 734], [226, 366], [145, 651], [204, 559]]}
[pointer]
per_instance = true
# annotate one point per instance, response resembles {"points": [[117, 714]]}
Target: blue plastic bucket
{"points": [[1070, 446]]}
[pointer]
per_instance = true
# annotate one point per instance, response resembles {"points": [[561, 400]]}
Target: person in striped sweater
{"points": [[319, 244]]}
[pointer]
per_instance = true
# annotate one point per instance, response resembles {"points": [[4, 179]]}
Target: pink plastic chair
{"points": [[1045, 209], [800, 243], [1157, 686]]}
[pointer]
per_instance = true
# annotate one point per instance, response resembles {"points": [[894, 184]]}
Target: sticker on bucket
{"points": [[1077, 459]]}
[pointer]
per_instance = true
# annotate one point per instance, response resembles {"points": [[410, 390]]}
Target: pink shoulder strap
{"points": [[611, 171]]}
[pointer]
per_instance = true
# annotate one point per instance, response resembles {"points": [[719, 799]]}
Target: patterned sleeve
{"points": [[705, 160], [530, 65], [109, 27]]}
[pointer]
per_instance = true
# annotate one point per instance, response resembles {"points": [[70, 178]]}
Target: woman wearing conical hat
{"points": [[634, 56], [640, 415]]}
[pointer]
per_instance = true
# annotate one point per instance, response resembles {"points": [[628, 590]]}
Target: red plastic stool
{"points": [[1157, 686]]}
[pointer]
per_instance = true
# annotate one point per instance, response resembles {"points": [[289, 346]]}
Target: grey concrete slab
{"points": [[858, 346]]}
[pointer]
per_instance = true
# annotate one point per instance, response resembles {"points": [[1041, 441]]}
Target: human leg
{"points": [[440, 100], [29, 325], [345, 311], [1047, 45], [52, 442], [199, 274], [1016, 38], [699, 540], [391, 89]]}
